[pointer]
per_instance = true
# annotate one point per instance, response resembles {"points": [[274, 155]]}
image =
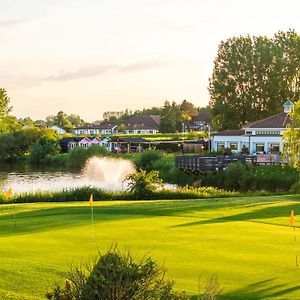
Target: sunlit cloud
{"points": [[92, 71]]}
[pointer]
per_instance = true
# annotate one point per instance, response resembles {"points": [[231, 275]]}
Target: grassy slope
{"points": [[245, 242]]}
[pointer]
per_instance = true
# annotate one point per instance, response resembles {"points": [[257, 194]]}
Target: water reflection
{"points": [[51, 181]]}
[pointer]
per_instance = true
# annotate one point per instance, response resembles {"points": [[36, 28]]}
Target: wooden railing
{"points": [[211, 163]]}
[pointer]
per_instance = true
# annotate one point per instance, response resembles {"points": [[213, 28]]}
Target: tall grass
{"points": [[82, 194]]}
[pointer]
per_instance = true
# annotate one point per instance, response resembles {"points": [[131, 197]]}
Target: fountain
{"points": [[99, 172], [110, 172]]}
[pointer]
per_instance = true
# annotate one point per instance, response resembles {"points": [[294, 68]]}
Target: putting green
{"points": [[246, 243]]}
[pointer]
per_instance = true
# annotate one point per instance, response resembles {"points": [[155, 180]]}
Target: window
{"points": [[260, 148], [274, 148], [220, 146], [267, 132], [233, 146]]}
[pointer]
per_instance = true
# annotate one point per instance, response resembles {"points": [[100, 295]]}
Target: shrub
{"points": [[42, 149], [116, 276], [143, 184], [212, 289], [295, 188], [147, 159], [169, 173], [245, 177], [96, 150], [77, 157]]}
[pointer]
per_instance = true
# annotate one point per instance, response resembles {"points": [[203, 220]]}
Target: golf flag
{"points": [[91, 200], [8, 193], [292, 219]]}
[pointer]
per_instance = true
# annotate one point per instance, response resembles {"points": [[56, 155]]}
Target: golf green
{"points": [[246, 243]]}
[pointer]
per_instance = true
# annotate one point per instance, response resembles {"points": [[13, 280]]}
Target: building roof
{"points": [[142, 122], [104, 125], [203, 115], [278, 121], [230, 132]]}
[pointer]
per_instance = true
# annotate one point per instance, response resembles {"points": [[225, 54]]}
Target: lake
{"points": [[107, 174]]}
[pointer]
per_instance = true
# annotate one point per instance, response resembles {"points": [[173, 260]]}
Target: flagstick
{"points": [[295, 246], [92, 219]]}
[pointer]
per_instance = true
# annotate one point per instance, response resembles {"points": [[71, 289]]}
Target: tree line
{"points": [[252, 77], [172, 115]]}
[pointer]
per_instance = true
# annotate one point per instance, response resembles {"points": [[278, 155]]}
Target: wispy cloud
{"points": [[141, 66], [92, 71], [10, 23], [83, 72]]}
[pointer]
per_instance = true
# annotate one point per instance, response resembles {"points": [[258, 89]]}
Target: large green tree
{"points": [[291, 138], [252, 76]]}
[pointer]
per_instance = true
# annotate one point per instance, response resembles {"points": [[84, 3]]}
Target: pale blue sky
{"points": [[87, 57]]}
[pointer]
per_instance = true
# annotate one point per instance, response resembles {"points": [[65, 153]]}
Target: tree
{"points": [[62, 120], [26, 122], [170, 119], [75, 120], [252, 76], [291, 138], [121, 128], [4, 104], [188, 110], [40, 151], [7, 123]]}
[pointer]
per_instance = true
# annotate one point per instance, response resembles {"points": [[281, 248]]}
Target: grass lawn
{"points": [[246, 243]]}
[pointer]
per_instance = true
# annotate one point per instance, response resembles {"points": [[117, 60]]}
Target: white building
{"points": [[58, 129], [105, 128], [263, 136]]}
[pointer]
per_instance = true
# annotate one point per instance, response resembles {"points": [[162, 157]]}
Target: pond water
{"points": [[104, 173]]}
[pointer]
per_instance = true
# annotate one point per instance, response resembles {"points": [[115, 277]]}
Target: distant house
{"points": [[58, 129], [104, 128], [260, 137], [147, 124], [200, 122], [68, 144]]}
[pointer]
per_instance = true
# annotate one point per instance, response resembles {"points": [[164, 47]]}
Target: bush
{"points": [[295, 188], [169, 173], [243, 178], [143, 184], [77, 157], [116, 276], [42, 149], [147, 159], [96, 150]]}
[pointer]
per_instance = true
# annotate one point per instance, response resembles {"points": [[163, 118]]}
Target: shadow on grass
{"points": [[259, 215], [44, 219], [265, 289]]}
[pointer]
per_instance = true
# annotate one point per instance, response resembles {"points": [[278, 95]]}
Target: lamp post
{"points": [[209, 141], [202, 149]]}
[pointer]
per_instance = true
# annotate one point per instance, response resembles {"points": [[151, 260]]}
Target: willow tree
{"points": [[252, 76], [291, 138]]}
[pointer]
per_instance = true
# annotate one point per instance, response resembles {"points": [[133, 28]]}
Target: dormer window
{"points": [[288, 106]]}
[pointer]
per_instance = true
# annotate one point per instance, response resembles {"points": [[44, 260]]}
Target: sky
{"points": [[90, 56]]}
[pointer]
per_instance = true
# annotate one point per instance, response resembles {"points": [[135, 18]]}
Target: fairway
{"points": [[246, 243]]}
